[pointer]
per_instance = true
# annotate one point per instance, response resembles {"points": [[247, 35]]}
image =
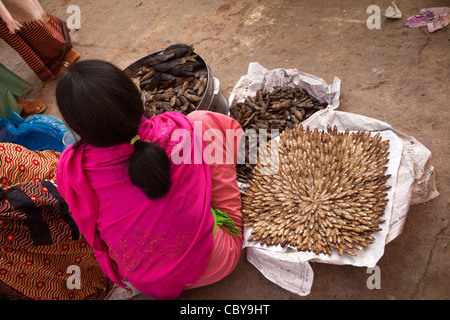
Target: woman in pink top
{"points": [[158, 215]]}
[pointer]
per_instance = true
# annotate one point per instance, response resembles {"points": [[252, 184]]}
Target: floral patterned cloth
{"points": [[39, 240]]}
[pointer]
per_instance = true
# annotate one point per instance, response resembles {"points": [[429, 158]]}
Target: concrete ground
{"points": [[395, 74]]}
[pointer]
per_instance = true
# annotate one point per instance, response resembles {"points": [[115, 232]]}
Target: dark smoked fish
{"points": [[171, 80]]}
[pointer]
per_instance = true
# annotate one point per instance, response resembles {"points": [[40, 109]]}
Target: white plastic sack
{"points": [[412, 179], [259, 77]]}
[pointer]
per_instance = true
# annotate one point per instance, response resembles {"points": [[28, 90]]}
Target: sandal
{"points": [[36, 106], [71, 57]]}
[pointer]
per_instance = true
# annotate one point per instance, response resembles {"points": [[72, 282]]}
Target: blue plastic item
{"points": [[37, 132]]}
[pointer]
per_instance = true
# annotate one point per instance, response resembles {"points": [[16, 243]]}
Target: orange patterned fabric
{"points": [[43, 273], [18, 164], [41, 247], [42, 47]]}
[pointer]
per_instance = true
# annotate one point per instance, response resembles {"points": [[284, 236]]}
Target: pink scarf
{"points": [[159, 246]]}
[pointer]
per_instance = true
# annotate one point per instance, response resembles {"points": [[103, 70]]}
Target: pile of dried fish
{"points": [[281, 108], [328, 192], [171, 80]]}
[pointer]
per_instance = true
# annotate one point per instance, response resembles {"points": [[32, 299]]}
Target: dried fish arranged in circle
{"points": [[328, 193], [281, 108], [171, 80]]}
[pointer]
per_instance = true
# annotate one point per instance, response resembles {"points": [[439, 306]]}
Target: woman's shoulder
{"points": [[163, 125], [172, 116]]}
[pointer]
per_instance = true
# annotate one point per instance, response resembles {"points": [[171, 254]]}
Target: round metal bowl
{"points": [[213, 98]]}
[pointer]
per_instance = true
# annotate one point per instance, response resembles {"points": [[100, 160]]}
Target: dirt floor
{"points": [[395, 74]]}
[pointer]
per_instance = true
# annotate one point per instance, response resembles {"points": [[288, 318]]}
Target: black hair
{"points": [[103, 106]]}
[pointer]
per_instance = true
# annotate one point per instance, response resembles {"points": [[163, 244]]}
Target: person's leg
{"points": [[42, 47], [51, 42], [28, 55]]}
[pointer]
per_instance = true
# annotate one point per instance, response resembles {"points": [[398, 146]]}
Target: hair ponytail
{"points": [[149, 169]]}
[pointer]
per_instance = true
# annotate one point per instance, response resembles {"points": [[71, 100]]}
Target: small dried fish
{"points": [[328, 194], [281, 108]]}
